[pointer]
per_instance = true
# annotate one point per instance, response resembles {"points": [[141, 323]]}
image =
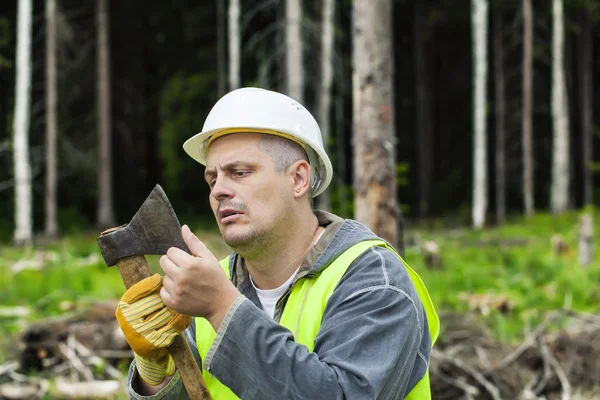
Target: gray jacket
{"points": [[373, 343]]}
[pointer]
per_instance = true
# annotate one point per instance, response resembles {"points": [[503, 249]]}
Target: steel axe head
{"points": [[152, 230]]}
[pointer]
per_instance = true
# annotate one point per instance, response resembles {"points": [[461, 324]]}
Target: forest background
{"points": [[490, 107]]}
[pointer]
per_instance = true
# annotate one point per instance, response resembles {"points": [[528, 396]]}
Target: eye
{"points": [[240, 174]]}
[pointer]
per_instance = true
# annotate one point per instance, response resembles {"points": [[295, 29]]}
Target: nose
{"points": [[221, 189]]}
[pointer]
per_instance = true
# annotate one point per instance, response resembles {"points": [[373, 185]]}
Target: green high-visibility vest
{"points": [[306, 326]]}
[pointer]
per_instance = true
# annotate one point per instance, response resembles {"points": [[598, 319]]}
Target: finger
{"points": [[166, 297], [170, 285], [143, 307], [197, 248], [169, 267], [158, 320], [179, 257]]}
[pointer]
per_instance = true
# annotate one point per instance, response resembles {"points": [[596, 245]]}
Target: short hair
{"points": [[284, 152]]}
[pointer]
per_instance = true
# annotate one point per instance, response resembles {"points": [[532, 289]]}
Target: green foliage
{"points": [[402, 174], [342, 200], [71, 221], [513, 263], [184, 106]]}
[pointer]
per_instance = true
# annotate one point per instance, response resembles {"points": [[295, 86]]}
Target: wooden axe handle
{"points": [[135, 268]]}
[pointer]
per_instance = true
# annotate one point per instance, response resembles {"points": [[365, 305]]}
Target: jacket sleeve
{"points": [[368, 346], [174, 390]]}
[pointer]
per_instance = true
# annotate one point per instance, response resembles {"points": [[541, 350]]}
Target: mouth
{"points": [[229, 215]]}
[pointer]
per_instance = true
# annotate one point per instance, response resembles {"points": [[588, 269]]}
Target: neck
{"points": [[273, 266]]}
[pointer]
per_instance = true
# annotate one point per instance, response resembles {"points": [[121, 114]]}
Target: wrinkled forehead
{"points": [[234, 147]]}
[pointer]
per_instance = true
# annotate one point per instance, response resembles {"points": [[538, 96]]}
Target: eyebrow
{"points": [[210, 172]]}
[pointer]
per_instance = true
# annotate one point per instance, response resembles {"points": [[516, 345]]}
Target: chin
{"points": [[235, 236]]}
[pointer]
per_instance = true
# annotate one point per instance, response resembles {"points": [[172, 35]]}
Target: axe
{"points": [[153, 229]]}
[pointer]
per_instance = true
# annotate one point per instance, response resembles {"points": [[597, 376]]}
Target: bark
{"points": [[106, 218], [527, 107], [294, 49], [500, 94], [480, 179], [221, 56], [234, 44], [23, 202], [326, 84], [586, 101], [375, 196], [560, 116], [424, 114], [51, 228]]}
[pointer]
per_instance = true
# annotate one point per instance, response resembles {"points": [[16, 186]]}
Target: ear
{"points": [[300, 175]]}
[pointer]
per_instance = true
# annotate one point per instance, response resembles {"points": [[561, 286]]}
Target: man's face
{"points": [[249, 198]]}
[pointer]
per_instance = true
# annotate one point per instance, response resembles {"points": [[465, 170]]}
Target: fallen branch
{"points": [[76, 362], [492, 390], [564, 381]]}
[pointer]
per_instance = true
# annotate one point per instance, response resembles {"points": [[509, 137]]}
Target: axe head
{"points": [[153, 229]]}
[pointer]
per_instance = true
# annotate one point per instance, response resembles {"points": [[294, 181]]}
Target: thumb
{"points": [[197, 248]]}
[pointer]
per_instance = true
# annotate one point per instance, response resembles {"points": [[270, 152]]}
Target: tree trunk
{"points": [[106, 218], [424, 114], [221, 58], [527, 107], [51, 228], [479, 23], [294, 49], [560, 115], [234, 44], [23, 203], [586, 91], [500, 117], [324, 200], [375, 196]]}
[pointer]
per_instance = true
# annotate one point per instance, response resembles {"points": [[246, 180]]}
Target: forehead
{"points": [[234, 147]]}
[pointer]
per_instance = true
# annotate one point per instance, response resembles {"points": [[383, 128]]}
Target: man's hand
{"points": [[196, 284], [150, 327]]}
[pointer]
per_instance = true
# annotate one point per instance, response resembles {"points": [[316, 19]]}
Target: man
{"points": [[308, 306]]}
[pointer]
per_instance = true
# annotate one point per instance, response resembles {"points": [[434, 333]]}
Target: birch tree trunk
{"points": [[480, 180], [51, 228], [375, 196], [527, 104], [326, 83], [424, 115], [500, 102], [586, 90], [560, 115], [23, 203], [294, 49], [106, 216], [221, 55], [234, 44]]}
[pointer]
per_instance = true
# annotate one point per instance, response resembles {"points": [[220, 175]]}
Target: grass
{"points": [[488, 265], [475, 263]]}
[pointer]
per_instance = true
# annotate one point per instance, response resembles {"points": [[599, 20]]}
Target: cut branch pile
{"points": [[74, 357], [547, 365], [77, 358]]}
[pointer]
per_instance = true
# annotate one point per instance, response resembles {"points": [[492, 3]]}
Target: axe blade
{"points": [[152, 230]]}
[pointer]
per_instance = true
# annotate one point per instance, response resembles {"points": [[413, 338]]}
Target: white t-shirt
{"points": [[269, 298]]}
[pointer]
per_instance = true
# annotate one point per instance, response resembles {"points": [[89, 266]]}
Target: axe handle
{"points": [[135, 268]]}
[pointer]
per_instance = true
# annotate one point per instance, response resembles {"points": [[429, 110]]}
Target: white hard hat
{"points": [[264, 111]]}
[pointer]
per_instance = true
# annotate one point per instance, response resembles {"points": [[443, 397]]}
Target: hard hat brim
{"points": [[197, 147]]}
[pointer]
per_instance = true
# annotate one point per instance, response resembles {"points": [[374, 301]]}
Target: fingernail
{"points": [[186, 229]]}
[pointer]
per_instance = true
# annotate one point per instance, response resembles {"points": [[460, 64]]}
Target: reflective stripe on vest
{"points": [[305, 325]]}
